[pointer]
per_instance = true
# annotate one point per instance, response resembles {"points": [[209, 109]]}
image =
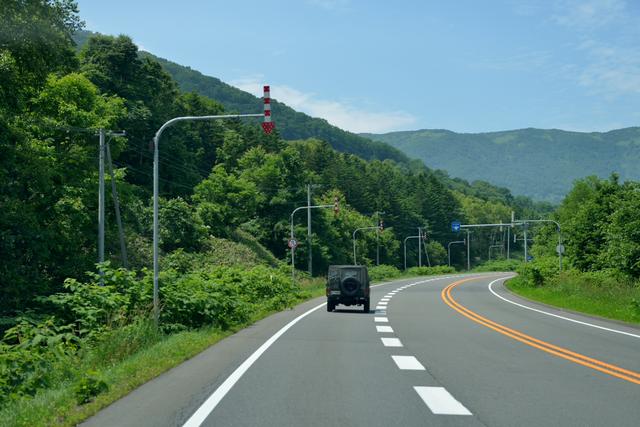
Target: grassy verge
{"points": [[155, 353], [58, 405], [587, 293]]}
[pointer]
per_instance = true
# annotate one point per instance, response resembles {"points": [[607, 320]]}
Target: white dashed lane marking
{"points": [[408, 363], [437, 399], [391, 342], [440, 401]]}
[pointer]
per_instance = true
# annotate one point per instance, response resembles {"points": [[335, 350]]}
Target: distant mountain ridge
{"points": [[290, 123], [538, 163]]}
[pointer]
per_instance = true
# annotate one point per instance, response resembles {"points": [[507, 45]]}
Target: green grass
{"points": [[585, 293], [125, 360]]}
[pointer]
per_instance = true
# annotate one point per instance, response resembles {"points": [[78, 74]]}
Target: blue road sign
{"points": [[455, 226]]}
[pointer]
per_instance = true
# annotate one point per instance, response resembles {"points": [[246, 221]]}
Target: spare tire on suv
{"points": [[347, 285]]}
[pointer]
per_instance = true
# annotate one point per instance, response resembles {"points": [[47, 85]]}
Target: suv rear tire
{"points": [[331, 306], [366, 306]]}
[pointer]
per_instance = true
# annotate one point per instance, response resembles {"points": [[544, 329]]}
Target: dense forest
{"points": [[538, 163], [227, 193], [221, 179]]}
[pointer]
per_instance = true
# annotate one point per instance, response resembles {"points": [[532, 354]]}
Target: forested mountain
{"points": [[542, 164], [217, 178]]}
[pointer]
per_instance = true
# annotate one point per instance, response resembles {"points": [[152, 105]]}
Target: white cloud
{"points": [[341, 114], [588, 14], [612, 70]]}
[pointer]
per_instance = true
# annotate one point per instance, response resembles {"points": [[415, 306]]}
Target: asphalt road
{"points": [[442, 351]]}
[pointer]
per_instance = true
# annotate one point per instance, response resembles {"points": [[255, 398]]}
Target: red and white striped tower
{"points": [[267, 124]]}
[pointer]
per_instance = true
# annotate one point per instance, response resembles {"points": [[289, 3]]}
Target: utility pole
{"points": [[116, 204], [101, 204], [309, 229]]}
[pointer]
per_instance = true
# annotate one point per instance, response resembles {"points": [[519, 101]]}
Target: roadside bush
{"points": [[499, 265], [89, 386], [539, 272], [382, 272], [33, 355], [430, 271]]}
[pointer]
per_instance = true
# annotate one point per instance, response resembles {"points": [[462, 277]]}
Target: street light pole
{"points": [[405, 248], [267, 125], [354, 240], [419, 246], [101, 134], [449, 249], [309, 248], [293, 250], [377, 213], [116, 202], [468, 251]]}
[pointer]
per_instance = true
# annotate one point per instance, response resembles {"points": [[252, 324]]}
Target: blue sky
{"points": [[380, 66]]}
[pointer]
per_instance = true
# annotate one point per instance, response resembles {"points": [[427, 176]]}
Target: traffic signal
{"points": [[381, 225], [336, 205]]}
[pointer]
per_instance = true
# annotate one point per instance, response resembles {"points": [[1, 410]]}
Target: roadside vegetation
{"points": [[70, 346], [601, 271]]}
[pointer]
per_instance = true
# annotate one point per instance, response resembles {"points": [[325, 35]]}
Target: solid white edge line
{"points": [[440, 401], [556, 315], [212, 401], [210, 404]]}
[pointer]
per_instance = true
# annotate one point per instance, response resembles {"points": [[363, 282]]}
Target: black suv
{"points": [[348, 285]]}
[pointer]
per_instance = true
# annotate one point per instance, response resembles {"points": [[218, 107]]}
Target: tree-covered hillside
{"points": [[218, 179], [542, 164], [291, 124]]}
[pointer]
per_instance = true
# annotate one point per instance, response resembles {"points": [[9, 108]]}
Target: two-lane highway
{"points": [[433, 351]]}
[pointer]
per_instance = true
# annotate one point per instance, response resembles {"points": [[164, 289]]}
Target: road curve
{"points": [[448, 350]]}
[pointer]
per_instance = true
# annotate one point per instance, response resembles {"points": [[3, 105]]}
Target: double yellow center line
{"points": [[564, 353]]}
